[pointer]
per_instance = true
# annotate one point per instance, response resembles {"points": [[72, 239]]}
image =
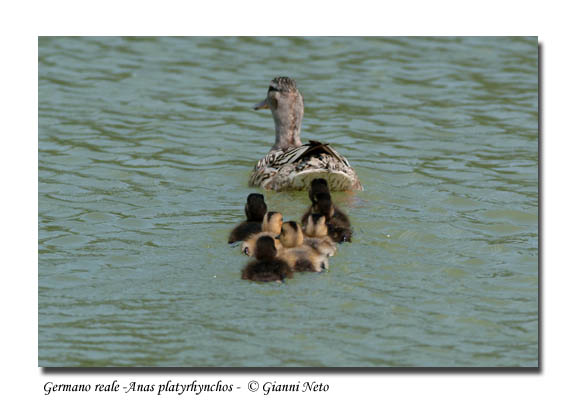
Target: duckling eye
{"points": [[271, 88]]}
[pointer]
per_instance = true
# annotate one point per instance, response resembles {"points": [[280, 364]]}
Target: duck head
{"points": [[291, 235], [272, 222], [265, 249], [318, 186], [255, 208], [323, 205], [286, 104]]}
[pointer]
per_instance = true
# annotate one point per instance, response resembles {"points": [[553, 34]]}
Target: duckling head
{"points": [[265, 249], [318, 186], [291, 235], [272, 222], [286, 104], [255, 208], [323, 205], [316, 226]]}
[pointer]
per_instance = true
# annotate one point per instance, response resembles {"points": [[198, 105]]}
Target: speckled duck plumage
{"points": [[290, 165]]}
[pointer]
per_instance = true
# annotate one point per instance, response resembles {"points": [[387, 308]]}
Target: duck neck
{"points": [[287, 130], [287, 136]]}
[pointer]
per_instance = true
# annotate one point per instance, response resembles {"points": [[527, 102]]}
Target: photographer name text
{"points": [[194, 387]]}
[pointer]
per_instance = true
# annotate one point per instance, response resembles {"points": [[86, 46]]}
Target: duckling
{"points": [[291, 235], [337, 221], [320, 196], [294, 236], [271, 226], [300, 257], [289, 164], [267, 267], [318, 235], [338, 217], [254, 210]]}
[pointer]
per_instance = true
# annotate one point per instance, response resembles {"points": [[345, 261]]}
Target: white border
{"points": [[551, 21]]}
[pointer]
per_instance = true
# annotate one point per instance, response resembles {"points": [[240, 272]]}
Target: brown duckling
{"points": [[271, 226], [318, 186], [301, 257], [254, 210], [337, 221], [320, 196], [267, 267]]}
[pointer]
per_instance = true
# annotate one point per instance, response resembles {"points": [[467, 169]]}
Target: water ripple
{"points": [[145, 146]]}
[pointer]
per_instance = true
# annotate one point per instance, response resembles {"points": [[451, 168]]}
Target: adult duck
{"points": [[290, 165]]}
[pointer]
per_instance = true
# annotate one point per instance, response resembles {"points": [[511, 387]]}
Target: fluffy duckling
{"points": [[271, 226], [318, 235], [337, 221], [254, 210], [300, 257], [320, 196], [267, 267]]}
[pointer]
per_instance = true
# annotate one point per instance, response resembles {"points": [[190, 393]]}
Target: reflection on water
{"points": [[145, 147]]}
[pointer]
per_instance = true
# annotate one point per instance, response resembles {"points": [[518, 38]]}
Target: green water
{"points": [[145, 148]]}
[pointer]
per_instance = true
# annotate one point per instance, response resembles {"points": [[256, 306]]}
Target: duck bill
{"points": [[261, 105]]}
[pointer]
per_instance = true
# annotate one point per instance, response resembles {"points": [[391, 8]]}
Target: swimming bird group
{"points": [[279, 248]]}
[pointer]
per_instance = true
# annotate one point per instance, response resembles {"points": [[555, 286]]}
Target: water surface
{"points": [[145, 148]]}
